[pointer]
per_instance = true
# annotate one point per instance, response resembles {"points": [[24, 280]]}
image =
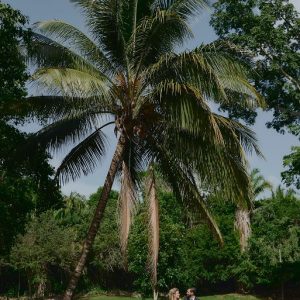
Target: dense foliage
{"points": [[189, 255], [268, 34], [12, 64], [126, 72], [41, 235], [291, 176], [275, 246], [26, 185], [44, 245], [268, 31]]}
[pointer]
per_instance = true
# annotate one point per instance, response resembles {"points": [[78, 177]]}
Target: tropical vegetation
{"points": [[182, 167], [268, 31], [127, 74], [188, 256]]}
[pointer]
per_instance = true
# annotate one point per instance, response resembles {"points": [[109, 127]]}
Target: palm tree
{"points": [[126, 73], [74, 206], [259, 183], [242, 216]]}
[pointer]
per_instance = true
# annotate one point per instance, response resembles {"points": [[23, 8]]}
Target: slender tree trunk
{"points": [[19, 284], [243, 225], [282, 282], [93, 229], [29, 286]]}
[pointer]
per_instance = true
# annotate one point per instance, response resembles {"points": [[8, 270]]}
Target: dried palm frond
{"points": [[127, 204], [153, 219], [243, 226]]}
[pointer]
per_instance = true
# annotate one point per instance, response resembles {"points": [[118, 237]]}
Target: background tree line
{"points": [[41, 258]]}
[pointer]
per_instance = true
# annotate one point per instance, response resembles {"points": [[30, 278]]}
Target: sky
{"points": [[273, 145]]}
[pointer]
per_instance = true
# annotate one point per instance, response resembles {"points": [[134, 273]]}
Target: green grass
{"points": [[109, 298], [230, 297], [102, 297], [218, 297]]}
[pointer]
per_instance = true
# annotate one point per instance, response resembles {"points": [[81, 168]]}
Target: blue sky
{"points": [[273, 145]]}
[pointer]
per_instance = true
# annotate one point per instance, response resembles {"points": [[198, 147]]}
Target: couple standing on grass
{"points": [[190, 294]]}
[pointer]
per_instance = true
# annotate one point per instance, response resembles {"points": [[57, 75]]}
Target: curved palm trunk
{"points": [[93, 229], [243, 225]]}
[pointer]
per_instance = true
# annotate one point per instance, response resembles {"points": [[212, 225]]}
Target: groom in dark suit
{"points": [[191, 294]]}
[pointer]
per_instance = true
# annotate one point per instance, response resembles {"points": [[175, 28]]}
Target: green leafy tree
{"points": [[107, 265], [209, 266], [274, 254], [292, 161], [269, 32], [127, 72], [26, 185], [12, 64], [107, 259], [44, 244]]}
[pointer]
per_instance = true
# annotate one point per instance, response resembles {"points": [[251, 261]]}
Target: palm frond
{"points": [[189, 68], [105, 21], [184, 8], [220, 161], [217, 146], [83, 158], [54, 108], [136, 159], [68, 35], [127, 204], [222, 168], [46, 53], [157, 35], [245, 137], [184, 107], [181, 179], [153, 221], [233, 74], [259, 183], [71, 83], [63, 132], [215, 74], [192, 197]]}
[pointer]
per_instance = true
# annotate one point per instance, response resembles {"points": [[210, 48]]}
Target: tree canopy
{"points": [[12, 63], [291, 176], [268, 32], [26, 183]]}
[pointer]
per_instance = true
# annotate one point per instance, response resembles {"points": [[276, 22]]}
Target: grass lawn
{"points": [[230, 297], [219, 297]]}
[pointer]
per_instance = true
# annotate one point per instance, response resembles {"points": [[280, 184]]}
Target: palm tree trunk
{"points": [[94, 227]]}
